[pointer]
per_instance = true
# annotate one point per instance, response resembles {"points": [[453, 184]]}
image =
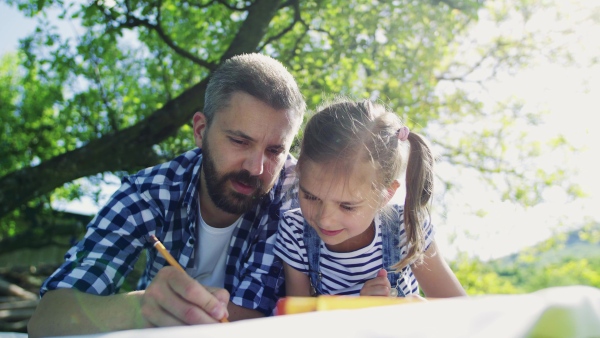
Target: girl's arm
{"points": [[435, 277], [297, 284]]}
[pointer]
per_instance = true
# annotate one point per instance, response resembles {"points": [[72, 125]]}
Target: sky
{"points": [[570, 95], [14, 26]]}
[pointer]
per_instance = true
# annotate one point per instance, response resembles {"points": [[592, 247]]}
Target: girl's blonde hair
{"points": [[346, 131]]}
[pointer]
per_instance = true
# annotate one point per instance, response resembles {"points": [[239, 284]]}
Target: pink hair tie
{"points": [[402, 133]]}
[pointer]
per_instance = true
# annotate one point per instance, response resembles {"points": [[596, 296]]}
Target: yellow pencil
{"points": [[163, 251]]}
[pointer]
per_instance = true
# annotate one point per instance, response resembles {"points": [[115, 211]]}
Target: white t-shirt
{"points": [[211, 251]]}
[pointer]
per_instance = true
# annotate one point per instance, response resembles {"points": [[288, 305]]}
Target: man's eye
{"points": [[237, 141], [276, 151]]}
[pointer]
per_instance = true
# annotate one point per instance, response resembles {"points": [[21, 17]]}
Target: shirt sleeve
{"points": [[429, 232], [99, 262], [289, 245], [258, 282]]}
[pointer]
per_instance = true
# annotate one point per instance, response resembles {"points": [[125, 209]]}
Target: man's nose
{"points": [[255, 163]]}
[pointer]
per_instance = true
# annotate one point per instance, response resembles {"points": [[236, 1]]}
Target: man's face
{"points": [[243, 152], [230, 200]]}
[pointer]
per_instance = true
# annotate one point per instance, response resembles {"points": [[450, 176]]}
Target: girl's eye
{"points": [[347, 208], [310, 197]]}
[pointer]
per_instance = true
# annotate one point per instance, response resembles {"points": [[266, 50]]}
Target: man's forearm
{"points": [[67, 312]]}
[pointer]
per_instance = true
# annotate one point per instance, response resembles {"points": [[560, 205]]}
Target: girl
{"points": [[345, 239]]}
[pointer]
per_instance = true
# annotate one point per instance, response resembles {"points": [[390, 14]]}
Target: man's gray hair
{"points": [[258, 75]]}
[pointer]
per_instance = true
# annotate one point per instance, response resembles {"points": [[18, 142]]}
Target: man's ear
{"points": [[199, 128], [391, 191]]}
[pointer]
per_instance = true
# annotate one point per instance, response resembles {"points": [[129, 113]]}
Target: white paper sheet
{"points": [[572, 311]]}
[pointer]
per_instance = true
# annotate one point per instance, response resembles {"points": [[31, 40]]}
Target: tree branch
{"points": [[471, 69], [297, 18], [131, 21], [296, 44], [222, 2], [200, 5], [125, 149], [168, 41], [253, 29]]}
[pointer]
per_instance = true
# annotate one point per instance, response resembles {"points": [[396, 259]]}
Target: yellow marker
{"points": [[291, 305]]}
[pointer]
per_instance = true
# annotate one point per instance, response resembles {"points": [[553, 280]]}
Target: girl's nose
{"points": [[325, 217]]}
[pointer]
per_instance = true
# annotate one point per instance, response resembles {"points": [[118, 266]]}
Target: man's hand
{"points": [[378, 286], [174, 298]]}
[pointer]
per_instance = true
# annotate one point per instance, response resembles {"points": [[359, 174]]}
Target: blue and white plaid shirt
{"points": [[162, 201]]}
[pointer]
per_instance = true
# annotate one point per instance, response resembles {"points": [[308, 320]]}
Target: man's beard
{"points": [[222, 196]]}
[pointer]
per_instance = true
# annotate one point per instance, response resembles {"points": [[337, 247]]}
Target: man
{"points": [[215, 208]]}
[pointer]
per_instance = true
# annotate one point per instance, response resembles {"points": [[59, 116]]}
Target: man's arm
{"points": [[68, 311], [173, 298]]}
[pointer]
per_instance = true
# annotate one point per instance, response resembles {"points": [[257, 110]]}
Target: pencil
{"points": [[163, 251]]}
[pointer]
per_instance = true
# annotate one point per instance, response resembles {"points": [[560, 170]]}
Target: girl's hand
{"points": [[378, 286]]}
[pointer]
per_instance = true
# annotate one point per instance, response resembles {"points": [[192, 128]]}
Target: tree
{"points": [[120, 96]]}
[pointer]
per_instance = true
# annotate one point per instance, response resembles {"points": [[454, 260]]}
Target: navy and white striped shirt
{"points": [[162, 201], [343, 273]]}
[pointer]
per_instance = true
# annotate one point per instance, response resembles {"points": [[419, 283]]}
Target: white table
{"points": [[554, 312]]}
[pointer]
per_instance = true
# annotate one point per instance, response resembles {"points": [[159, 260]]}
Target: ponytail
{"points": [[419, 189]]}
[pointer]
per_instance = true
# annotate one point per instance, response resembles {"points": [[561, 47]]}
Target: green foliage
{"points": [[132, 59], [26, 113], [390, 51], [567, 272], [479, 278], [590, 232], [562, 260]]}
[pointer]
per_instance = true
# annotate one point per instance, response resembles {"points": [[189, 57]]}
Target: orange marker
{"points": [[163, 251]]}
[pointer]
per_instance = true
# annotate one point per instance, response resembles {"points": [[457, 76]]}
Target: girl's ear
{"points": [[391, 191]]}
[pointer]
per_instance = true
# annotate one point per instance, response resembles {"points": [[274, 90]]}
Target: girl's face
{"points": [[339, 207]]}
